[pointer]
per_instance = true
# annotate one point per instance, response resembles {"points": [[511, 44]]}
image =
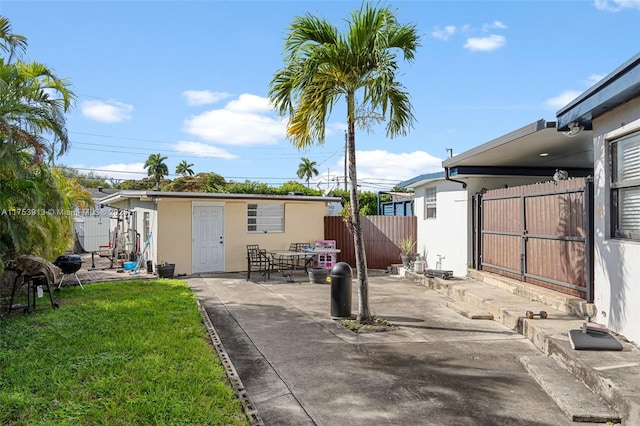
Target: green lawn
{"points": [[132, 352]]}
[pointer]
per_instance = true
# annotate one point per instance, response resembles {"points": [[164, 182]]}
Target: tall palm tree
{"points": [[156, 168], [307, 169], [33, 103], [9, 42], [184, 168], [323, 65]]}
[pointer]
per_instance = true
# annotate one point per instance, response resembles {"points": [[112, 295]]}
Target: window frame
{"points": [[618, 184], [430, 203], [146, 225], [268, 218]]}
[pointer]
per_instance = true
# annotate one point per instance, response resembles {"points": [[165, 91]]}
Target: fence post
{"points": [[588, 238]]}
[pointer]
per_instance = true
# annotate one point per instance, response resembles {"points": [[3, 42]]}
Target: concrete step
{"points": [[611, 376], [571, 395], [469, 311], [560, 302]]}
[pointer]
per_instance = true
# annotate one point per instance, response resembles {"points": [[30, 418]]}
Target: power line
{"points": [[182, 154]]}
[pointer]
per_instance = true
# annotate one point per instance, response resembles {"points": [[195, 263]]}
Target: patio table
{"points": [[287, 260]]}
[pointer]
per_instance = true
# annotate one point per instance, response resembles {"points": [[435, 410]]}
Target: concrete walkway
{"points": [[299, 366]]}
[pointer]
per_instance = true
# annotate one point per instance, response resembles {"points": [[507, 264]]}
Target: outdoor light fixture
{"points": [[544, 154], [574, 129]]}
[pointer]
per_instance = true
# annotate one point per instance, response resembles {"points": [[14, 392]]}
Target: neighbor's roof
{"points": [[421, 179], [124, 195], [98, 194], [619, 87]]}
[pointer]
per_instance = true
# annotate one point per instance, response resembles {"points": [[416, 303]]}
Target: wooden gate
{"points": [[540, 234]]}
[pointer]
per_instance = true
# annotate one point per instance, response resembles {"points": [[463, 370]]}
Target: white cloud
{"points": [[494, 25], [387, 169], [594, 78], [115, 171], [381, 163], [106, 111], [249, 103], [444, 33], [485, 44], [562, 99], [243, 121], [616, 5], [203, 150], [204, 97]]}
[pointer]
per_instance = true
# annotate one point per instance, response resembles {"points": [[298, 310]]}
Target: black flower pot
{"points": [[166, 270]]}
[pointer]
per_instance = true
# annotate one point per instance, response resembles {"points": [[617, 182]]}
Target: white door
{"points": [[208, 239]]}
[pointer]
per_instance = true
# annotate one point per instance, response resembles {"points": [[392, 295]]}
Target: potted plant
{"points": [[165, 269], [318, 275], [408, 255]]}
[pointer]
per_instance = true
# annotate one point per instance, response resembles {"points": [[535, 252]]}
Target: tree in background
{"points": [[86, 180], [297, 187], [202, 182], [156, 168], [323, 65], [184, 168], [367, 201], [307, 170], [33, 196], [143, 184]]}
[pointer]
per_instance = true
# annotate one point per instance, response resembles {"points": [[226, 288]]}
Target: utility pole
{"points": [[345, 161]]}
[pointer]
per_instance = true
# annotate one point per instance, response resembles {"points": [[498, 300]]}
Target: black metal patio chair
{"points": [[258, 261]]}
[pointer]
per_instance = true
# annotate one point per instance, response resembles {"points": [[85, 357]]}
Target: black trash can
{"points": [[341, 290]]}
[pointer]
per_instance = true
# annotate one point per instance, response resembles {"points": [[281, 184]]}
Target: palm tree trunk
{"points": [[364, 314]]}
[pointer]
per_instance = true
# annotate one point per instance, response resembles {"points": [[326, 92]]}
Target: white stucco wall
{"points": [[617, 262], [446, 235]]}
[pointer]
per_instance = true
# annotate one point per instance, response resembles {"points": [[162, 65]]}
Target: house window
{"points": [[146, 218], [265, 217], [430, 203], [625, 187]]}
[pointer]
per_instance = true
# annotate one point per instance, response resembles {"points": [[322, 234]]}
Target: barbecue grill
{"points": [[69, 264]]}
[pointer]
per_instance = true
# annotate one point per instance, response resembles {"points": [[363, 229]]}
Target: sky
{"points": [[190, 80]]}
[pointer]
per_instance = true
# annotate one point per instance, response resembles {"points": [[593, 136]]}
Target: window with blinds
{"points": [[625, 187], [430, 203], [265, 217]]}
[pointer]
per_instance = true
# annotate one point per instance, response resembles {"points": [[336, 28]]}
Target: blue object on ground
{"points": [[129, 265]]}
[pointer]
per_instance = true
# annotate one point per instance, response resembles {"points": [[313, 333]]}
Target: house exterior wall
{"points": [[173, 234], [446, 234], [616, 265], [172, 241], [140, 210], [304, 222]]}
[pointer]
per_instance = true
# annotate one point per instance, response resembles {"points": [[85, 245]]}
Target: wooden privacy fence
{"points": [[381, 234], [541, 234]]}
